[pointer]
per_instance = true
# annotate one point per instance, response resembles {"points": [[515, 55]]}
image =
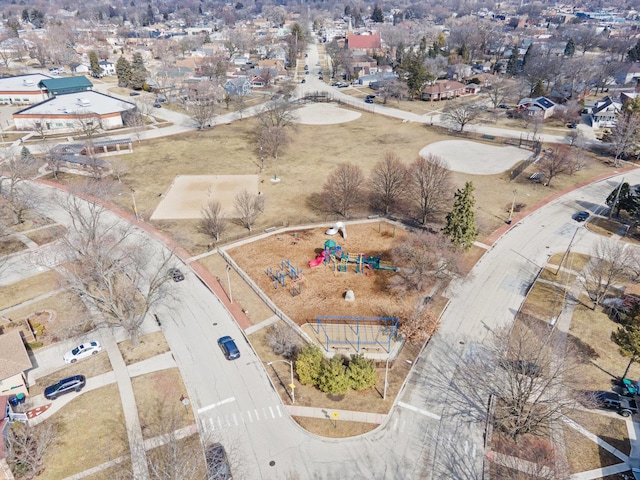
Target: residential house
{"points": [[459, 71], [237, 86], [14, 361], [604, 113], [540, 107], [108, 68], [443, 90], [370, 44], [629, 73], [23, 89]]}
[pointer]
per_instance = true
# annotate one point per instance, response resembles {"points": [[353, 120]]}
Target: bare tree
{"points": [[87, 124], [423, 260], [201, 102], [527, 375], [429, 187], [248, 208], [272, 139], [277, 113], [113, 270], [283, 340], [624, 134], [556, 162], [344, 189], [134, 119], [417, 324], [388, 182], [460, 115], [498, 91], [213, 222], [608, 265], [394, 89], [27, 446]]}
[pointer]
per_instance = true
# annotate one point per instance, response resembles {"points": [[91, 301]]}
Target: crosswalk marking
{"points": [[278, 409], [237, 418], [272, 415], [249, 415]]}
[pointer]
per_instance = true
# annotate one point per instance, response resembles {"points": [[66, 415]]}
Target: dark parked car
{"points": [[66, 385], [217, 463], [229, 348], [611, 401], [157, 105], [504, 106], [523, 367], [176, 274], [303, 81], [572, 125], [581, 216], [134, 94], [368, 100]]}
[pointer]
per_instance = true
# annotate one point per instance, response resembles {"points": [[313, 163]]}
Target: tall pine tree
{"points": [[138, 72], [512, 64], [570, 49], [123, 71], [461, 221], [96, 70], [377, 16]]}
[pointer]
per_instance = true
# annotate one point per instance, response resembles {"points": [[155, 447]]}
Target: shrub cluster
{"points": [[337, 375]]}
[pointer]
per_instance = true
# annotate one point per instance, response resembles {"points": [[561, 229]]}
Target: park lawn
{"points": [[150, 345], [46, 235], [28, 288], [91, 432]]}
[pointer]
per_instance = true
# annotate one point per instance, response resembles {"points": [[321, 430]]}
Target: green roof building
{"points": [[59, 86]]}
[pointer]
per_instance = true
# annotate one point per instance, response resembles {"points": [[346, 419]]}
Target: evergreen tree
{"points": [[538, 89], [512, 64], [527, 55], [623, 198], [207, 38], [627, 337], [377, 16], [417, 74], [94, 61], [634, 54], [461, 221], [333, 377], [361, 372], [309, 364], [570, 48], [26, 155], [347, 10], [123, 71], [138, 72]]}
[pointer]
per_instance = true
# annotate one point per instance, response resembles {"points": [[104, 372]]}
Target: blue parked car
{"points": [[66, 385], [229, 348]]}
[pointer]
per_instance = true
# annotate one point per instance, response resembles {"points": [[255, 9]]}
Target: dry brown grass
{"points": [[11, 245], [46, 235], [574, 261], [593, 328], [92, 432], [562, 278], [583, 454], [90, 367], [256, 310], [603, 226], [23, 290], [334, 429], [150, 345], [69, 311], [611, 430], [158, 398], [544, 301]]}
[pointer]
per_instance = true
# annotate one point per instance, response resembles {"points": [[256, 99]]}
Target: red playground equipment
{"points": [[318, 260]]}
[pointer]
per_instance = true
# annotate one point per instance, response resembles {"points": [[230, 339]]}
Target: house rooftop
{"points": [[66, 84], [78, 103], [22, 83], [363, 41], [13, 355]]}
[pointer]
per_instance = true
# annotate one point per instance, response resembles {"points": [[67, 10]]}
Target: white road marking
{"points": [[395, 423], [214, 405], [473, 451], [419, 410], [211, 424], [256, 412], [219, 422], [272, 415], [249, 415], [235, 419], [278, 409]]}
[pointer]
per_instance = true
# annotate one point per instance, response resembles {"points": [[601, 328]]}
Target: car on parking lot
{"points": [[304, 80], [368, 100], [66, 385], [134, 94], [610, 401], [82, 351], [572, 125], [306, 72], [581, 216], [176, 275], [504, 106], [157, 105], [218, 467], [229, 347]]}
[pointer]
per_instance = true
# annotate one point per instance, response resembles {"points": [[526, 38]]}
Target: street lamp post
{"points": [[291, 385], [229, 284], [386, 375], [513, 204], [135, 207]]}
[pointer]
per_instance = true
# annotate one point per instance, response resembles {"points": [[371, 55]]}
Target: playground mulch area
{"points": [[323, 288]]}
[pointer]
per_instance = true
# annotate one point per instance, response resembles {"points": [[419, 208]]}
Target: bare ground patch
{"points": [[150, 345]]}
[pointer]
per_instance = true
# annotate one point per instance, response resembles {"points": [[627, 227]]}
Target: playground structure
{"points": [[359, 333], [334, 256], [338, 227], [286, 270]]}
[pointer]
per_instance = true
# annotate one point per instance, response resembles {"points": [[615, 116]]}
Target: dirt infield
{"points": [[325, 114], [188, 193], [476, 158]]}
